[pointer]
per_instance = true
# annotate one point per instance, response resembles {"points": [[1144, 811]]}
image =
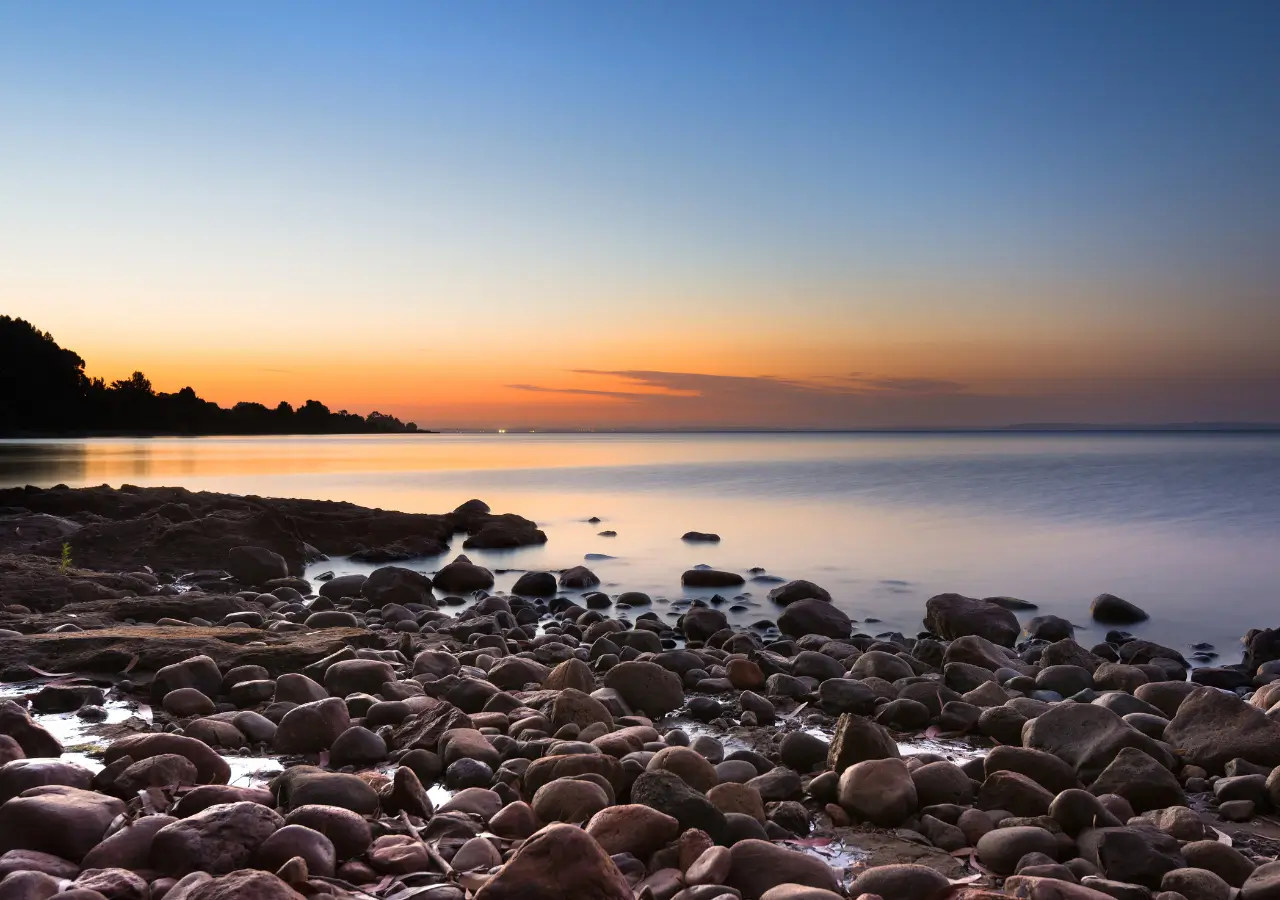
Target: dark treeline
{"points": [[44, 390]]}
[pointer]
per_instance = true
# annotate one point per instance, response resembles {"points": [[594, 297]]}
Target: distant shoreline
{"points": [[1029, 429]]}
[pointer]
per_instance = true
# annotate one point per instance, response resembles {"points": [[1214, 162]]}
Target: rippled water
{"points": [[1187, 526]]}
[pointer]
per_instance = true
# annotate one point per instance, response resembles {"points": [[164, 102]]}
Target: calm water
{"points": [[1187, 526]]}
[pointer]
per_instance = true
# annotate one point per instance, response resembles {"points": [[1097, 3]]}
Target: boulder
{"points": [[462, 576], [858, 739], [646, 686], [633, 828], [243, 884], [558, 863], [312, 727], [1112, 610], [794, 591], [255, 565], [879, 791], [216, 840], [1213, 727], [63, 821], [952, 616], [756, 866], [1088, 737], [814, 616], [1141, 780], [669, 794], [210, 767], [901, 882], [711, 578]]}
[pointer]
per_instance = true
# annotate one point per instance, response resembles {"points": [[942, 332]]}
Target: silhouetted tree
{"points": [[43, 389]]}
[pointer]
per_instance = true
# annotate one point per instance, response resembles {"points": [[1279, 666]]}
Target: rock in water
{"points": [[256, 565], [560, 862], [1112, 610], [793, 591], [954, 616]]}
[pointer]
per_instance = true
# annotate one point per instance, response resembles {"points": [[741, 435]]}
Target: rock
{"points": [[1111, 610], [1050, 628], [307, 785], [1015, 793], [184, 703], [165, 770], [1196, 884], [742, 799], [312, 847], [559, 862], [62, 821], [114, 884], [701, 622], [813, 615], [1229, 863], [1141, 780], [198, 672], [462, 576], [1087, 737], [312, 727], [32, 861], [689, 765], [1263, 883], [710, 578], [35, 741], [977, 651], [1043, 768], [633, 828], [669, 794], [255, 565], [243, 884], [1076, 809], [880, 791], [535, 584], [394, 584], [756, 866], [578, 578], [1137, 855], [858, 739], [646, 686], [22, 774], [878, 664], [901, 882], [1212, 728], [128, 848], [357, 746], [802, 751], [516, 821], [794, 591], [569, 800], [217, 840], [210, 767], [347, 831], [942, 782], [1000, 850], [1179, 822], [571, 674], [952, 616], [398, 854]]}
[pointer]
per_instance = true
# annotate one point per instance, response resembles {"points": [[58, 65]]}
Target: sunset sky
{"points": [[656, 214]]}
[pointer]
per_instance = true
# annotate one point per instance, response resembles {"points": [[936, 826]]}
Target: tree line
{"points": [[44, 390]]}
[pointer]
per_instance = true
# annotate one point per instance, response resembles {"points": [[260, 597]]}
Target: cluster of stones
{"points": [[544, 717]]}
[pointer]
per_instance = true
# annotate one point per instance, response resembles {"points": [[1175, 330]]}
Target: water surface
{"points": [[1185, 525]]}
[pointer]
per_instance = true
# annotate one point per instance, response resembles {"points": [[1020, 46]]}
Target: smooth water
{"points": [[1185, 525]]}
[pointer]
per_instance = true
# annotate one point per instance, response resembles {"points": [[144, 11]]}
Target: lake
{"points": [[1185, 525]]}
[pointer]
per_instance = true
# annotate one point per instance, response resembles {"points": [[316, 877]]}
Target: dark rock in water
{"points": [[558, 862], [256, 565], [607, 534], [1011, 603], [1227, 678], [472, 507], [505, 532], [710, 578], [1212, 727], [463, 576], [535, 584], [343, 586], [700, 537], [793, 591], [952, 616], [578, 578], [1112, 610], [394, 584], [1049, 628]]}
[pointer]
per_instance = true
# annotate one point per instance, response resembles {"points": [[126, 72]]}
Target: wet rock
{"points": [[1112, 610], [33, 861], [128, 848], [1141, 780], [316, 850], [710, 578], [901, 882], [794, 591], [62, 821], [217, 840], [1088, 737], [879, 791], [756, 866], [1015, 793], [1000, 850], [22, 774], [312, 727], [1212, 727], [568, 800], [462, 576], [858, 739], [210, 767], [952, 616], [670, 795], [558, 862], [942, 782], [307, 785], [813, 615], [394, 584], [578, 578], [701, 622], [357, 746], [255, 565], [1043, 768], [647, 686]]}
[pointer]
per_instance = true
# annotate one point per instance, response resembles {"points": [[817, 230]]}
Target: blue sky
{"points": [[1022, 198]]}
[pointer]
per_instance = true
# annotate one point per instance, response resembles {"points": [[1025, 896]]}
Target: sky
{"points": [[658, 214]]}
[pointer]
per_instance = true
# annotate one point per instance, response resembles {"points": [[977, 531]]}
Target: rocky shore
{"points": [[432, 738]]}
